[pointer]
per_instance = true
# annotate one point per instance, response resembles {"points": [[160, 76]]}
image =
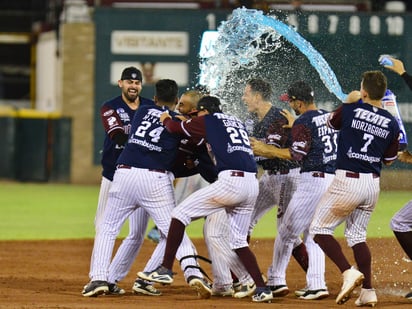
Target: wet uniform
{"points": [[314, 145], [367, 136], [236, 188]]}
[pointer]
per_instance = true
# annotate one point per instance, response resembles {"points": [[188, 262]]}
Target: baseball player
{"points": [[143, 180], [187, 184], [235, 190], [184, 185], [280, 177], [314, 147], [368, 137], [216, 228], [116, 115], [401, 222]]}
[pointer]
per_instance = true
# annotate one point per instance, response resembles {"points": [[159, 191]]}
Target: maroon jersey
{"points": [[271, 130]]}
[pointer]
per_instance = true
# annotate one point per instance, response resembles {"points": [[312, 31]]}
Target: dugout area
{"points": [[37, 145]]}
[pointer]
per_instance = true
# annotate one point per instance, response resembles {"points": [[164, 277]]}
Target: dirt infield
{"points": [[51, 274]]}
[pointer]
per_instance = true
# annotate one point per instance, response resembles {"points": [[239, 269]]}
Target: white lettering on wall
{"points": [[150, 43]]}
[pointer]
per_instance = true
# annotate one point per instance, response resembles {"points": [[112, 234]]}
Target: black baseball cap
{"points": [[131, 73], [209, 103], [298, 90]]}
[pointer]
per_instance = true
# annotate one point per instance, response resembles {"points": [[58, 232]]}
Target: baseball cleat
{"points": [[409, 296], [142, 287], [201, 286], [279, 290], [114, 289], [245, 290], [367, 297], [315, 294], [352, 278], [300, 292], [262, 295], [159, 275], [223, 292], [95, 288], [237, 286]]}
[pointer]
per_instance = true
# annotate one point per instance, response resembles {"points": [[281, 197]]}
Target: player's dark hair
{"points": [[262, 87], [301, 90], [374, 83], [209, 103], [166, 90]]}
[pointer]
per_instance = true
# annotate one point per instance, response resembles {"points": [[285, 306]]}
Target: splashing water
{"points": [[249, 34], [238, 45]]}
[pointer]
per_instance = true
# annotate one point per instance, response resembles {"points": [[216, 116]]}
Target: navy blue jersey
{"points": [[150, 145], [116, 116], [368, 135], [313, 142], [226, 135], [271, 131]]}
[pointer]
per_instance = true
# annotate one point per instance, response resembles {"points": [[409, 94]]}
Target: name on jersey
{"points": [[153, 115], [371, 122], [230, 121], [320, 122]]}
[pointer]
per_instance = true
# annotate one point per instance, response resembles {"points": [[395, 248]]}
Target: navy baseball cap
{"points": [[131, 73], [299, 90]]}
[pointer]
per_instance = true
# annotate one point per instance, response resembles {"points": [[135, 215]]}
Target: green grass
{"points": [[61, 211]]}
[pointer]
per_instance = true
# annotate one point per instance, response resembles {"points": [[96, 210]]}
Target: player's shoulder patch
{"points": [[108, 113]]}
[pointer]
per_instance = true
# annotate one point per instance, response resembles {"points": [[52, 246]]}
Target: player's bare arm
{"points": [[269, 151]]}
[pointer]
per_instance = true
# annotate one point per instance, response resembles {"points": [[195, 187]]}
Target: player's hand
{"points": [[353, 96], [163, 116], [268, 151], [288, 115], [258, 147], [397, 66], [405, 156]]}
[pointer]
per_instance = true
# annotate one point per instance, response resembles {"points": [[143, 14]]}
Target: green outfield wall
{"points": [[168, 42]]}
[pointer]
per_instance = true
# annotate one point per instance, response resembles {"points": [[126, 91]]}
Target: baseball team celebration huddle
{"points": [[319, 168]]}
